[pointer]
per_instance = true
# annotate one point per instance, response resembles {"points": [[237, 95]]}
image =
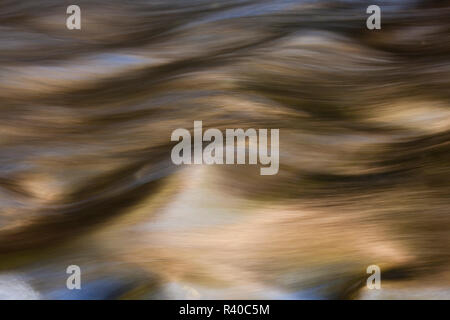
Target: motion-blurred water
{"points": [[85, 171]]}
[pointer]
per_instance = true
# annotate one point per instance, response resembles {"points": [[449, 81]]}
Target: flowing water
{"points": [[86, 176]]}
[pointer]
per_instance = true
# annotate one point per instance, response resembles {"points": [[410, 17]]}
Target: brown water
{"points": [[85, 171]]}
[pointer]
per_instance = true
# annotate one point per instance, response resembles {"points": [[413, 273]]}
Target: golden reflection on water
{"points": [[85, 171]]}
